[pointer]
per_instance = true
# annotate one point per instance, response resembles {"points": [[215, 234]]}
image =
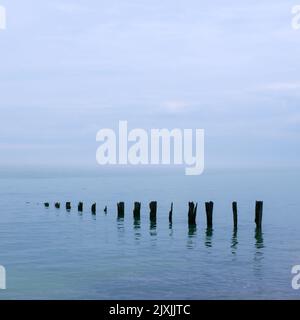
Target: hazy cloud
{"points": [[69, 67]]}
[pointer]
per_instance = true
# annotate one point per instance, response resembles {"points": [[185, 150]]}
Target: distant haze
{"points": [[70, 68]]}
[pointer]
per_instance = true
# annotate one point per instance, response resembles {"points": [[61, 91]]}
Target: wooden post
{"points": [[105, 210], [171, 213], [153, 210], [68, 205], [121, 208], [46, 204], [93, 209], [209, 206], [258, 213], [192, 213], [57, 205], [235, 217], [137, 210], [80, 206]]}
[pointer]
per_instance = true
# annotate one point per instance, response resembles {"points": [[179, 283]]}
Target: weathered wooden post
{"points": [[192, 213], [153, 210], [258, 213], [137, 211], [209, 206], [93, 209], [46, 204], [235, 217], [105, 210], [80, 207], [171, 213], [68, 205], [121, 209], [57, 205]]}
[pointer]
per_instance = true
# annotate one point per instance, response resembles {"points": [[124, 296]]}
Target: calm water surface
{"points": [[54, 254]]}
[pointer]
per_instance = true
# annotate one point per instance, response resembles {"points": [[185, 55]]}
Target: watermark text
{"points": [[2, 277], [296, 17], [296, 278], [2, 18], [159, 146]]}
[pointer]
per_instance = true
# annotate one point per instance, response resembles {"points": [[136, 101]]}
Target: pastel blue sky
{"points": [[70, 68]]}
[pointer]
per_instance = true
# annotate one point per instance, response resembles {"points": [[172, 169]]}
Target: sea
{"points": [[51, 253]]}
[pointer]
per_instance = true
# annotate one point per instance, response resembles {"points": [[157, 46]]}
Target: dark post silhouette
{"points": [[137, 211], [171, 213], [258, 213], [235, 217], [209, 206], [93, 209], [121, 209], [192, 213], [68, 205], [153, 210]]}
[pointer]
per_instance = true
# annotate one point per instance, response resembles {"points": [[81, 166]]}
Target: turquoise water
{"points": [[54, 254]]}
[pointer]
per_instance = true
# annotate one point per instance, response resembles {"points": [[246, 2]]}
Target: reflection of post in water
{"points": [[170, 229], [121, 229], [120, 218], [153, 228], [208, 237], [137, 228], [192, 232], [120, 224], [259, 243], [137, 224], [258, 255], [234, 241]]}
